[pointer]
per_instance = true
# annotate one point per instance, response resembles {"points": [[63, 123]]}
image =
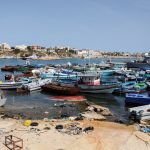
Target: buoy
{"points": [[27, 123]]}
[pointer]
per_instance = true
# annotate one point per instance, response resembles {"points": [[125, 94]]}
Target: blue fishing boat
{"points": [[58, 76], [107, 72], [137, 99], [128, 85], [121, 91]]}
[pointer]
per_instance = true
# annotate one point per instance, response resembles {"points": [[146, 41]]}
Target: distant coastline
{"points": [[57, 57]]}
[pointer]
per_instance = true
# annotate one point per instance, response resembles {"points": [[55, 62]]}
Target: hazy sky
{"points": [[122, 25]]}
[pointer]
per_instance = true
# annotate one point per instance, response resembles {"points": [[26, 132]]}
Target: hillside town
{"points": [[57, 52]]}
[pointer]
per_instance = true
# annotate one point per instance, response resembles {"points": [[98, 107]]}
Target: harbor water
{"points": [[39, 105]]}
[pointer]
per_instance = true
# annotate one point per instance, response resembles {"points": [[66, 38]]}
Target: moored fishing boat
{"points": [[131, 87], [90, 83], [8, 68], [35, 85], [128, 85], [145, 63], [107, 72], [13, 84], [10, 85], [121, 91], [137, 99], [56, 88]]}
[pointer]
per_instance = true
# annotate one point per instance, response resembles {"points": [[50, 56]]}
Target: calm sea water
{"points": [[39, 99]]}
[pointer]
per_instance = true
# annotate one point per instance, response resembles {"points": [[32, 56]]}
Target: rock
{"points": [[89, 108], [97, 108], [72, 118], [79, 118], [143, 122], [47, 128], [106, 113], [46, 119], [54, 120], [93, 116]]}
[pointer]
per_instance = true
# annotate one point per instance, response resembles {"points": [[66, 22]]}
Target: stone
{"points": [[97, 108], [93, 116], [46, 119], [106, 113], [72, 118], [89, 108]]}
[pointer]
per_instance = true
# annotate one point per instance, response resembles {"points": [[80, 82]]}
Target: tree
{"points": [[16, 51], [30, 50]]}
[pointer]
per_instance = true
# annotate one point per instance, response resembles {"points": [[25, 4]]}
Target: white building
{"points": [[89, 53], [5, 46], [21, 47], [83, 53]]}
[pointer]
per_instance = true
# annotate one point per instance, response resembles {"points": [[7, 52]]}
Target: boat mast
{"points": [[89, 57]]}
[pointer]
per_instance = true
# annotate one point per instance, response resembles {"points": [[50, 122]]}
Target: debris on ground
{"points": [[73, 129]]}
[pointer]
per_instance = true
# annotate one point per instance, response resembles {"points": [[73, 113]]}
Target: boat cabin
{"points": [[89, 79]]}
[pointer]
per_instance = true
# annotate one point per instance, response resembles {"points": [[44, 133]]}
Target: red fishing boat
{"points": [[56, 88], [8, 68]]}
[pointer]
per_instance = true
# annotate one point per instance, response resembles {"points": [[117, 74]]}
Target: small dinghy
{"points": [[68, 98]]}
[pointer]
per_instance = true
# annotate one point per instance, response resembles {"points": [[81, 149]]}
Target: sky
{"points": [[111, 25]]}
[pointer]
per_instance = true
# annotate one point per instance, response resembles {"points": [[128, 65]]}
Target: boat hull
{"points": [[137, 99], [97, 89], [139, 65], [10, 86], [64, 90]]}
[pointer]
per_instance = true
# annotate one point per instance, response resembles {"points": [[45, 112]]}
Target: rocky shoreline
{"points": [[88, 130]]}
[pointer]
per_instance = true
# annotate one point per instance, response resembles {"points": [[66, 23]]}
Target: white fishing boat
{"points": [[90, 83], [36, 85], [12, 84], [9, 85], [2, 99]]}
